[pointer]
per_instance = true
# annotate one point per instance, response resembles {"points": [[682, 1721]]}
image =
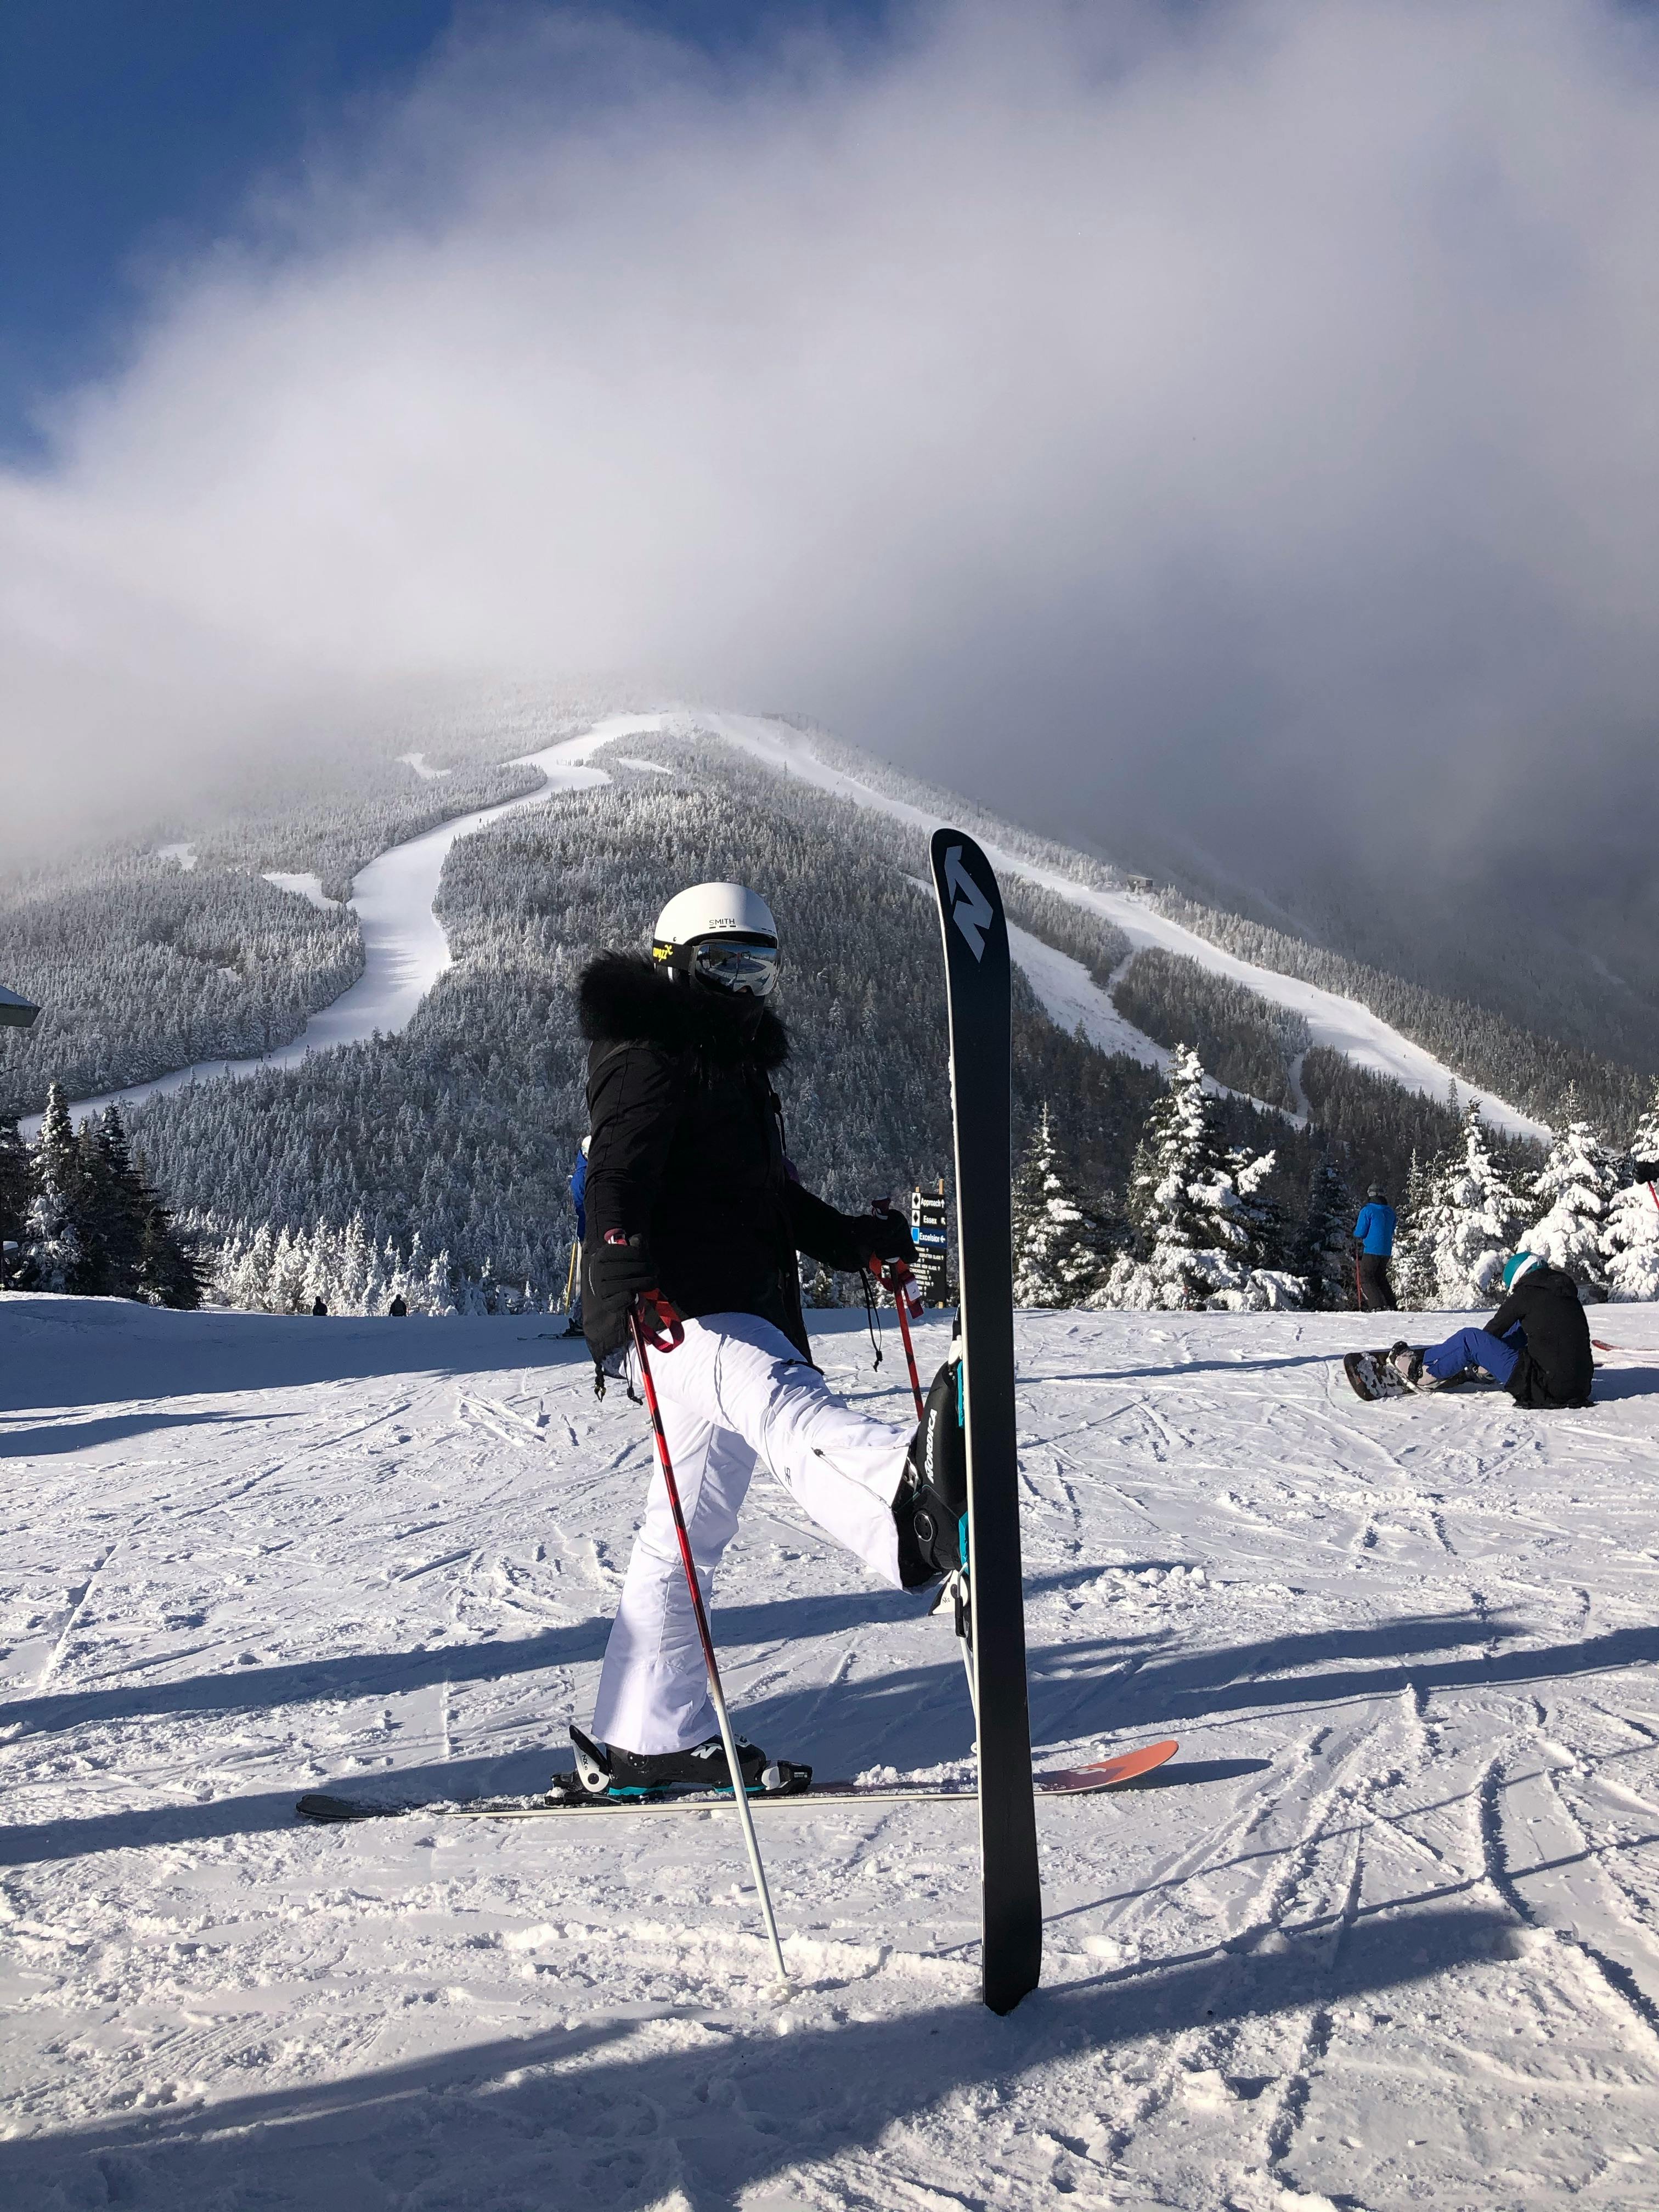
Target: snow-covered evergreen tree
{"points": [[1194, 1208], [1630, 1240], [1057, 1257], [1327, 1240], [1412, 1268], [14, 1195], [54, 1245], [1471, 1222], [1569, 1200], [116, 1209]]}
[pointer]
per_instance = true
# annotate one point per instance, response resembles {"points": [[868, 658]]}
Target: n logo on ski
{"points": [[972, 911]]}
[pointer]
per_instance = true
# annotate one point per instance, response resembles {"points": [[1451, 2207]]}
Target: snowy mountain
{"points": [[451, 1109]]}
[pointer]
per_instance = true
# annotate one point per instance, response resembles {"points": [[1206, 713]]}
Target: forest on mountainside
{"points": [[464, 1127], [1242, 1039], [1531, 1072], [141, 964]]}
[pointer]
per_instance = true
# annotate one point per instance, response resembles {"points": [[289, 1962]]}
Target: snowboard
{"points": [[1098, 1775], [1373, 1377], [978, 993]]}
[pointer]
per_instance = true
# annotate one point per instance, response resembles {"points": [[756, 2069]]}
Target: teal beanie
{"points": [[1522, 1264]]}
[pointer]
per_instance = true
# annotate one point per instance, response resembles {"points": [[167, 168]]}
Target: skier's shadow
{"points": [[1612, 1384], [600, 2111], [54, 1437], [1128, 1377]]}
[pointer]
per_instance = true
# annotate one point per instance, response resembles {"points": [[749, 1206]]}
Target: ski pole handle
{"points": [[660, 1320]]}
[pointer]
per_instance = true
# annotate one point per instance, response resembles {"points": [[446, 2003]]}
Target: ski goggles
{"points": [[729, 965]]}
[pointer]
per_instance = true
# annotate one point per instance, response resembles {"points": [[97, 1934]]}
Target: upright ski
{"points": [[981, 1042]]}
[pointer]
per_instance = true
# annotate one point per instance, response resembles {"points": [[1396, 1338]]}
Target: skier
{"points": [[1373, 1246], [696, 1215], [1536, 1345], [577, 1185]]}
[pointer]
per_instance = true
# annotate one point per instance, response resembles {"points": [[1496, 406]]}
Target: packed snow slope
{"points": [[1385, 1935]]}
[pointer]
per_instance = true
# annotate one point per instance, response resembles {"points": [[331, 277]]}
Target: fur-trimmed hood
{"points": [[623, 999]]}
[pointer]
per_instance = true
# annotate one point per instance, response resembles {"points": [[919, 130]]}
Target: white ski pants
{"points": [[734, 1395]]}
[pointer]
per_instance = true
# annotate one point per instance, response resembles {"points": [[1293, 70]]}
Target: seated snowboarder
{"points": [[692, 1201], [1536, 1345], [1373, 1241]]}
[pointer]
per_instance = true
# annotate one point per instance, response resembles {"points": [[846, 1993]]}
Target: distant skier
{"points": [[690, 1199], [318, 1310], [398, 1310], [1536, 1345], [577, 1185], [1373, 1248]]}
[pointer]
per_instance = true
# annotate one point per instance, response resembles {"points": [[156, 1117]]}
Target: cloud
{"points": [[1198, 427]]}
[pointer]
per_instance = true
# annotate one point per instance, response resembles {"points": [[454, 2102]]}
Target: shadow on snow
{"points": [[576, 2115]]}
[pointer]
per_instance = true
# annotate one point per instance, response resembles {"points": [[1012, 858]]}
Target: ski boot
{"points": [[605, 1769], [931, 1508], [1407, 1361]]}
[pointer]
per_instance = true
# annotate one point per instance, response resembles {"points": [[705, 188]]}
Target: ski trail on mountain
{"points": [[405, 946], [1344, 1025]]}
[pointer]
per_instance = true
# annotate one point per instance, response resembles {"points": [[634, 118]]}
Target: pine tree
{"points": [[1570, 1197], [1195, 1211], [14, 1197], [1057, 1259], [169, 1273], [1414, 1270], [116, 1207], [1630, 1240], [1470, 1225], [54, 1254], [1325, 1241]]}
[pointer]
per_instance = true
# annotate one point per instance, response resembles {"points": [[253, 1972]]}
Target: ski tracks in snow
{"points": [[1386, 1933]]}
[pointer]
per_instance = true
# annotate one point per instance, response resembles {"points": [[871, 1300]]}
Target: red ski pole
{"points": [[900, 1281], [667, 1342]]}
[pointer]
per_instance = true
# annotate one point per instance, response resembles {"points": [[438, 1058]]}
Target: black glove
{"points": [[620, 1267], [884, 1236]]}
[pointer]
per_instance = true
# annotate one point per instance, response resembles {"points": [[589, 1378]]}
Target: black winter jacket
{"points": [[687, 1153], [1557, 1366]]}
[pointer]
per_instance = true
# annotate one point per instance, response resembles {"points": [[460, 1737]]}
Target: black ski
{"points": [[982, 1046], [1100, 1775]]}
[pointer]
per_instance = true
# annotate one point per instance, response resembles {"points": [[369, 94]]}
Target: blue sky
{"points": [[131, 131]]}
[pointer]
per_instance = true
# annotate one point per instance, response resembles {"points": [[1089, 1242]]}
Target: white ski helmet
{"points": [[719, 934]]}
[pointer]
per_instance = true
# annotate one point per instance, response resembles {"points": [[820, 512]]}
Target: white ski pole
{"points": [[740, 1794]]}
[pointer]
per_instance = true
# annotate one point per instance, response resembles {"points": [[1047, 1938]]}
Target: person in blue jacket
{"points": [[578, 1187], [1373, 1240]]}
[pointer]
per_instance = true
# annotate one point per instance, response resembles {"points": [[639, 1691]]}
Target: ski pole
{"points": [[717, 1694], [898, 1279]]}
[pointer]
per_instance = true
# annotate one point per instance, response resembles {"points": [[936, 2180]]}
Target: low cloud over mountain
{"points": [[1227, 431]]}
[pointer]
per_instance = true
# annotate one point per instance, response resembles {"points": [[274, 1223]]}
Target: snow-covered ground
{"points": [[1386, 1935], [307, 887]]}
